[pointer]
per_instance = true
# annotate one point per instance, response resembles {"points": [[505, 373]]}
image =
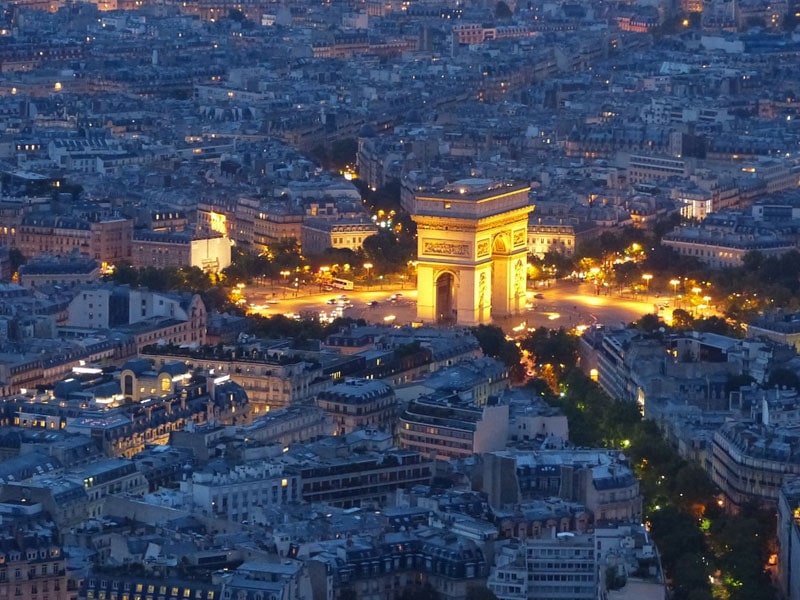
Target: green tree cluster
{"points": [[494, 343], [388, 251], [280, 326], [554, 347]]}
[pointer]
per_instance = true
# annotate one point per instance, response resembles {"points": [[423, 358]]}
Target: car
{"points": [[372, 304], [539, 296], [332, 301], [327, 288]]}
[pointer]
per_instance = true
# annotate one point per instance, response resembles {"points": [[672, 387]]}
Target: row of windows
{"points": [[102, 595], [562, 577]]}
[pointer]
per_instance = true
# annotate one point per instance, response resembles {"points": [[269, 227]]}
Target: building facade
{"points": [[359, 404], [450, 428]]}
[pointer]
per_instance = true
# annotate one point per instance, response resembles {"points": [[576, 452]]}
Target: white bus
{"points": [[341, 284]]}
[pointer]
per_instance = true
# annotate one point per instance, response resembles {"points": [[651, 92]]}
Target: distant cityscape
{"points": [[400, 300]]}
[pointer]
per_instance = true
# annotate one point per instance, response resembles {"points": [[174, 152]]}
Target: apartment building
{"points": [[105, 240], [241, 494], [644, 168], [359, 404], [33, 564], [360, 478], [210, 252], [548, 234], [563, 565], [597, 479], [320, 234], [749, 462], [64, 272], [271, 378], [447, 427]]}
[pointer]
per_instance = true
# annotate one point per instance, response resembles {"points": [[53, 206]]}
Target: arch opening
{"points": [[445, 292]]}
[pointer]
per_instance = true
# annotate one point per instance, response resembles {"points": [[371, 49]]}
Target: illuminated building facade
{"points": [[103, 407], [321, 234], [269, 379], [472, 251], [209, 252], [105, 240]]}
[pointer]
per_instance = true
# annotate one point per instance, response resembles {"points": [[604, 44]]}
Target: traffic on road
{"points": [[565, 303]]}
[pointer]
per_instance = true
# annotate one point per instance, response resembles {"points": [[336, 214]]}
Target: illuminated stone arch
{"points": [[476, 230]]}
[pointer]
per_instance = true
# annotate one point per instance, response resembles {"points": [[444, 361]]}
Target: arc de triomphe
{"points": [[472, 246]]}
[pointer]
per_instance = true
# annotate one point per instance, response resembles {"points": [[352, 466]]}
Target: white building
{"points": [[562, 566], [241, 493], [109, 306]]}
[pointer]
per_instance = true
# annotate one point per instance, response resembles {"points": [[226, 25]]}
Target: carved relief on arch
{"points": [[501, 244]]}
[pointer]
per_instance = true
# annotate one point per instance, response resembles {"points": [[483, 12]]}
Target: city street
{"points": [[566, 304]]}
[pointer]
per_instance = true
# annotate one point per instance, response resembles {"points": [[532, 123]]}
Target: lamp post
{"points": [[285, 275], [595, 271], [674, 283], [696, 291], [368, 267], [647, 277]]}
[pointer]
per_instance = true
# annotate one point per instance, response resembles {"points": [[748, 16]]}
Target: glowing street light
{"points": [[285, 275], [647, 277], [368, 267], [674, 283]]}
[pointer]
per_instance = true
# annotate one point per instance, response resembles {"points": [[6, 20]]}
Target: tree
{"points": [[386, 252], [420, 592], [16, 258], [480, 592], [650, 323], [553, 346], [494, 343], [694, 488], [714, 324], [682, 320], [502, 11], [783, 378], [627, 273], [124, 274], [490, 337], [343, 153], [735, 382]]}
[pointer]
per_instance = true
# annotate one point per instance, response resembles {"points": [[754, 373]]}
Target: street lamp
{"points": [[674, 283], [368, 266], [285, 275], [647, 277]]}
